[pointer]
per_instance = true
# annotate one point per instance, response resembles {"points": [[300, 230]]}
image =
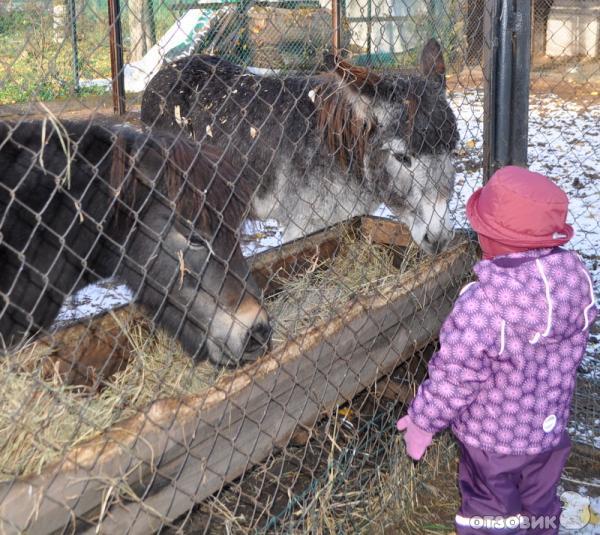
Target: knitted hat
{"points": [[520, 208]]}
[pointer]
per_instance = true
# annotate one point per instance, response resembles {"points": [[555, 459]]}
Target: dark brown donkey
{"points": [[81, 201]]}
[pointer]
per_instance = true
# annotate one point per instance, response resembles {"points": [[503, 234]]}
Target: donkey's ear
{"points": [[329, 61], [432, 62], [360, 79]]}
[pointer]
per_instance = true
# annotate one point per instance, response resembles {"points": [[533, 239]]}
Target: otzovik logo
{"points": [[576, 514]]}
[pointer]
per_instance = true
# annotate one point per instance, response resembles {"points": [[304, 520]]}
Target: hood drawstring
{"points": [[502, 335], [466, 287], [537, 336], [593, 302]]}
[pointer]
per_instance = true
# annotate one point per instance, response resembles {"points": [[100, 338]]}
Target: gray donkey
{"points": [[326, 147]]}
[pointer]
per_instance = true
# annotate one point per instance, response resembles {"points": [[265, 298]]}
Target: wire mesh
{"points": [[565, 81], [251, 335]]}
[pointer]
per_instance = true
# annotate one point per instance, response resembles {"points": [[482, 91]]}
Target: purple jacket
{"points": [[505, 372]]}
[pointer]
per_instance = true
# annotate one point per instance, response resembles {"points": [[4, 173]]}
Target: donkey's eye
{"points": [[403, 158], [196, 242]]}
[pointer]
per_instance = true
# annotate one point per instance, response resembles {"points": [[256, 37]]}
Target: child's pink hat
{"points": [[520, 208]]}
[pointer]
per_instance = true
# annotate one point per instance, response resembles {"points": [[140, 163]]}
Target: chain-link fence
{"points": [[214, 309], [563, 125]]}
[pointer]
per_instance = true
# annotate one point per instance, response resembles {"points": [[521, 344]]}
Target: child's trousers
{"points": [[510, 494]]}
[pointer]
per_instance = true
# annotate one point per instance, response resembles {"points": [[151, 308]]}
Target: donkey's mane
{"points": [[347, 124], [345, 130], [204, 187]]}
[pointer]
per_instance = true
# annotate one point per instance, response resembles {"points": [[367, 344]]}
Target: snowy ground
{"points": [[92, 300], [564, 144]]}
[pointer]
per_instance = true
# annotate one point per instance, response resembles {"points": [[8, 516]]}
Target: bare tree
{"points": [[59, 20], [139, 28]]}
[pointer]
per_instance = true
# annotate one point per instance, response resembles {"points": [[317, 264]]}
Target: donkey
{"points": [[81, 201], [325, 147]]}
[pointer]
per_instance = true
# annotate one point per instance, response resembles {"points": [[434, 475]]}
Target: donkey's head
{"points": [[398, 132], [183, 252]]}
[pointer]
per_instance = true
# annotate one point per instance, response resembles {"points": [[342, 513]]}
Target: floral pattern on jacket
{"points": [[504, 375]]}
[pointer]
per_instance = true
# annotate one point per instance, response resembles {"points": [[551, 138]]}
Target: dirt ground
{"points": [[571, 79]]}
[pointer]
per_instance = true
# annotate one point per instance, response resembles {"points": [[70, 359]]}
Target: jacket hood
{"points": [[541, 296]]}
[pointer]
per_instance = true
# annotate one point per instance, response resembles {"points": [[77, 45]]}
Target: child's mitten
{"points": [[416, 439]]}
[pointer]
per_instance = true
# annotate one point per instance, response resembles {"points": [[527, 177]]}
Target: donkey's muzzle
{"points": [[434, 244], [259, 340]]}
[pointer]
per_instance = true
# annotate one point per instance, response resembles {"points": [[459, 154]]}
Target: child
{"points": [[504, 376]]}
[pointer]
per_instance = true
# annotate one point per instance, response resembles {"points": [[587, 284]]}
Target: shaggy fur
{"points": [[322, 148], [83, 201]]}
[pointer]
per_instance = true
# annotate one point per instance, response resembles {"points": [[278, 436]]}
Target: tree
{"points": [[59, 20], [140, 28]]}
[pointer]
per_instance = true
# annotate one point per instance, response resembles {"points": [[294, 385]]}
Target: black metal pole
{"points": [[490, 47], [507, 65], [369, 29], [521, 78], [116, 56], [504, 85], [73, 25]]}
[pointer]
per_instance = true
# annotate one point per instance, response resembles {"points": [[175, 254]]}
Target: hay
{"points": [[43, 417], [64, 140], [345, 479], [417, 497], [379, 489], [320, 293]]}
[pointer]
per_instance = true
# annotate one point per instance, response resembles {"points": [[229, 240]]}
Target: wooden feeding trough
{"points": [[155, 465]]}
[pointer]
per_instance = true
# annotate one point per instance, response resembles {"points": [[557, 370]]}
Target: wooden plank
{"points": [[270, 394], [77, 485], [201, 473], [293, 258], [253, 431], [85, 352], [271, 276], [384, 231], [156, 438], [378, 319], [303, 372]]}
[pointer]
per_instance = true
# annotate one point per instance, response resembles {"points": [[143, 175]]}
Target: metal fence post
{"points": [[336, 21], [504, 85], [507, 65], [490, 46], [116, 56], [369, 28], [520, 89]]}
